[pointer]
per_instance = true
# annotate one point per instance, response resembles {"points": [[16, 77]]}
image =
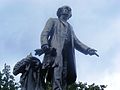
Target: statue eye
{"points": [[69, 9]]}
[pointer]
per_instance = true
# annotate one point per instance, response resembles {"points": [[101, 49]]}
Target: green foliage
{"points": [[80, 86], [72, 86], [48, 86], [1, 81], [85, 86], [7, 81]]}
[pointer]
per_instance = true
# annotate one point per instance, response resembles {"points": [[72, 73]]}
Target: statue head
{"points": [[64, 10]]}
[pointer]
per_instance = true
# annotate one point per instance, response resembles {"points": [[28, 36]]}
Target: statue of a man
{"points": [[58, 34], [30, 68]]}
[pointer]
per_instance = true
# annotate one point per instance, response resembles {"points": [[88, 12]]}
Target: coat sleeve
{"points": [[79, 45], [46, 32]]}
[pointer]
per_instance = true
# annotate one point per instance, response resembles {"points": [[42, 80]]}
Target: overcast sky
{"points": [[95, 22]]}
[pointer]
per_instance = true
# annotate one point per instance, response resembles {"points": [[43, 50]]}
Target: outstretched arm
{"points": [[79, 45], [83, 48]]}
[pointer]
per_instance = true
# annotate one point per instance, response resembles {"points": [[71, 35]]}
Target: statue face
{"points": [[65, 12]]}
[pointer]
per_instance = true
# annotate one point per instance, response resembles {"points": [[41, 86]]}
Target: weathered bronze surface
{"points": [[59, 34]]}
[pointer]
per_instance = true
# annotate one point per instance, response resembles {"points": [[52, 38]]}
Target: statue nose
{"points": [[65, 10]]}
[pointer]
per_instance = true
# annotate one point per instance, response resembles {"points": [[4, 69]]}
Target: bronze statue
{"points": [[58, 42], [31, 78], [58, 34]]}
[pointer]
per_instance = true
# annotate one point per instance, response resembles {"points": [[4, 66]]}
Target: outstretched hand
{"points": [[92, 52]]}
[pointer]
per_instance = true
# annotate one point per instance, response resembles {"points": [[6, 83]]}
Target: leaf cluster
{"points": [[7, 81], [80, 86]]}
